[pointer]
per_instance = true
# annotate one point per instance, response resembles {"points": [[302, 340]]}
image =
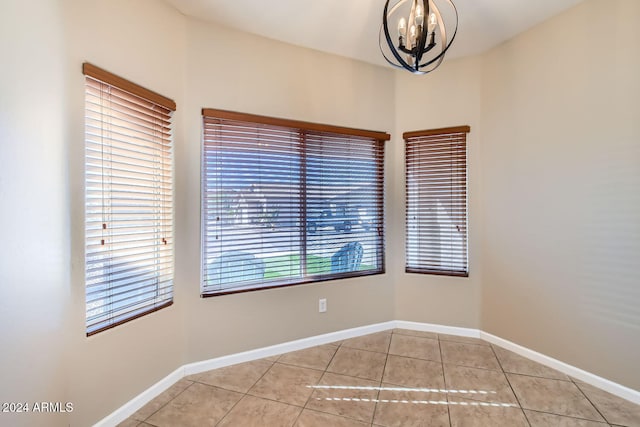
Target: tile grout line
{"points": [[371, 423], [444, 378], [231, 409], [566, 379], [589, 400], [390, 335], [169, 401], [510, 386], [319, 379], [384, 369], [364, 349], [571, 416], [569, 379], [246, 393]]}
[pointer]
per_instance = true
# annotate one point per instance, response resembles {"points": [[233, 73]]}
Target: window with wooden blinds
{"points": [[287, 202], [129, 200], [436, 216]]}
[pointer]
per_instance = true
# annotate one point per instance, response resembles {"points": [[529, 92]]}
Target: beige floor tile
{"points": [[465, 340], [412, 333], [358, 363], [466, 413], [350, 397], [255, 412], [287, 384], [478, 384], [402, 408], [373, 342], [240, 377], [614, 409], [540, 419], [413, 392], [410, 372], [553, 396], [314, 357], [199, 405], [310, 418], [516, 364], [129, 422], [474, 356], [416, 347], [162, 399]]}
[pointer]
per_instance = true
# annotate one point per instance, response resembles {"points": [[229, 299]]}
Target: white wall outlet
{"points": [[322, 305]]}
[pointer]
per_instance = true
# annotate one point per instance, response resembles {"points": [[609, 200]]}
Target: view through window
{"points": [[129, 200], [436, 221], [288, 202]]}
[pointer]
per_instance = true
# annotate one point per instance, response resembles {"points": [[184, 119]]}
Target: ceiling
{"points": [[350, 27]]}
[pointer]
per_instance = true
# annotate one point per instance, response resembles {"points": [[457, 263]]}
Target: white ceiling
{"points": [[350, 27]]}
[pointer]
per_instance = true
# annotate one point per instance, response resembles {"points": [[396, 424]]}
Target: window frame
{"points": [[146, 117], [303, 128], [457, 134]]}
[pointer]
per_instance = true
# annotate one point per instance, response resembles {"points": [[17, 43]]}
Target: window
{"points": [[287, 202], [129, 200], [436, 223]]}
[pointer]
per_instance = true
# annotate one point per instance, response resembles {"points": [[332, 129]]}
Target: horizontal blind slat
{"points": [[436, 202], [265, 187], [129, 213]]}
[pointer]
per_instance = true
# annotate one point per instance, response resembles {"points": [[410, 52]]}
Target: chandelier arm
{"points": [[429, 47], [393, 64], [443, 36], [390, 61], [396, 6], [434, 65], [405, 50], [424, 34], [385, 27], [380, 44]]}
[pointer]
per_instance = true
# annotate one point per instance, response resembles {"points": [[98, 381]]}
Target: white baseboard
{"points": [[247, 356], [143, 398], [129, 408], [439, 329], [577, 373]]}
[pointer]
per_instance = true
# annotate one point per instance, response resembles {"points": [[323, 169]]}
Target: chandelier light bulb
{"points": [[402, 27], [419, 16], [433, 21]]}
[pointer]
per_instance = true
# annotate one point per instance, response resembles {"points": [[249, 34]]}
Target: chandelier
{"points": [[422, 36]]}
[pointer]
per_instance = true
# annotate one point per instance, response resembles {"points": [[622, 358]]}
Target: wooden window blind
{"points": [[129, 200], [436, 212], [287, 202]]}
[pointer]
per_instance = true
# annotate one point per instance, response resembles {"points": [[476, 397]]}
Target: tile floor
{"points": [[392, 378]]}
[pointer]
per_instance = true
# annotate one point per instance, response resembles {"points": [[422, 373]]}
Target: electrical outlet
{"points": [[322, 305]]}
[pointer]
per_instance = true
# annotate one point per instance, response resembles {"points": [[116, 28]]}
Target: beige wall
{"points": [[144, 42], [282, 81], [561, 172], [451, 96], [34, 199]]}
